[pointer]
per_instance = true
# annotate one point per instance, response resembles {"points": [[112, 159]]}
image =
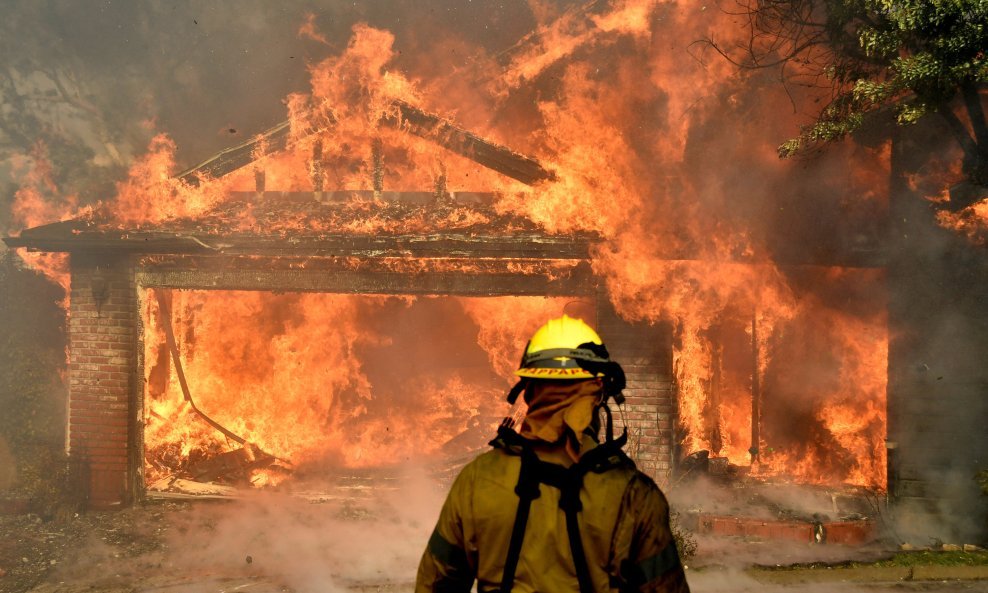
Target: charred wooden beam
{"points": [[426, 125], [233, 158], [82, 236], [74, 236], [576, 282], [455, 139]]}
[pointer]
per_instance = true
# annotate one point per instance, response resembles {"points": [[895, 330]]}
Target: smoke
{"points": [[660, 145], [312, 547], [736, 580], [329, 538]]}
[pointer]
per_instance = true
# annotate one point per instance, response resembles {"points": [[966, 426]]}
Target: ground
{"points": [[270, 543]]}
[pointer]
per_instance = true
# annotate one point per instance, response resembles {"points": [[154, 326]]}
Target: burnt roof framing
{"points": [[72, 236], [403, 116], [326, 275]]}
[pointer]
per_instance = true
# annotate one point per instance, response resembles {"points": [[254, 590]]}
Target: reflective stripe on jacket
{"points": [[624, 527]]}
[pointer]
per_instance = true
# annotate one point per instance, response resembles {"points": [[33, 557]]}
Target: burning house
{"points": [[238, 345], [238, 331], [351, 288]]}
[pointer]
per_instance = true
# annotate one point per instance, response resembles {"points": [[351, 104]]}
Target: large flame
{"points": [[620, 109], [39, 201], [316, 379]]}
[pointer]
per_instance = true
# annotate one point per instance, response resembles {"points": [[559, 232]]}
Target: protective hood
{"points": [[560, 411]]}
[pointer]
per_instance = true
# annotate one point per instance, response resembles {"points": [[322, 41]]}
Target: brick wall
{"points": [[101, 366], [645, 353]]}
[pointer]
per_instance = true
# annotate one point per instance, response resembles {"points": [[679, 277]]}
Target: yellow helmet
{"points": [[558, 348], [568, 348]]}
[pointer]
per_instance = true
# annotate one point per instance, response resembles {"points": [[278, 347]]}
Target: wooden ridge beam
{"points": [[467, 144], [405, 116]]}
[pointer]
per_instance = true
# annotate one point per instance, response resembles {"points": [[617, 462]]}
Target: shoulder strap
{"points": [[527, 490], [576, 546], [569, 481]]}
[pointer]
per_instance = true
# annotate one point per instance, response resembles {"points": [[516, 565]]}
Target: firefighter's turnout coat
{"points": [[620, 515]]}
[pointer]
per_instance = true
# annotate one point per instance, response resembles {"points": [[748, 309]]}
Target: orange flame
{"points": [[37, 202], [971, 221], [617, 134], [316, 379]]}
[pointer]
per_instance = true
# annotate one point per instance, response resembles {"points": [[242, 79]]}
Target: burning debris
{"points": [[234, 466]]}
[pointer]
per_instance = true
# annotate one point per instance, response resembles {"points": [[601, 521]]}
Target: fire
{"points": [[326, 380], [618, 121], [577, 28], [150, 194], [971, 221], [38, 201], [843, 409], [960, 205], [503, 327]]}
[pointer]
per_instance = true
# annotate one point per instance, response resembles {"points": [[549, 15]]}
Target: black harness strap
{"points": [[576, 546], [569, 481], [527, 490]]}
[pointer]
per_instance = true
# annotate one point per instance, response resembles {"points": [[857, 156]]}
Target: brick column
{"points": [[101, 358], [645, 353]]}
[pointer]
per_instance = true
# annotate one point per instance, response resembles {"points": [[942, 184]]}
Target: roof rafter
{"points": [[405, 116]]}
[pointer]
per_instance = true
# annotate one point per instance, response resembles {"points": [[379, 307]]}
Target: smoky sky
{"points": [[94, 80]]}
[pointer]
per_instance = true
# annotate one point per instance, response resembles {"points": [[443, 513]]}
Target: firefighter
{"points": [[550, 508]]}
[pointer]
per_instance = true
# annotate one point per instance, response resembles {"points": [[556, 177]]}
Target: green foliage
{"points": [[912, 56], [936, 558]]}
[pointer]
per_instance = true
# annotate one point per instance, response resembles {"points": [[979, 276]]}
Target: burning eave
{"points": [[397, 224], [70, 236], [311, 242]]}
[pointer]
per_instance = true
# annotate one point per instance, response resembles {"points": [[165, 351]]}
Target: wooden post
{"points": [[377, 167], [713, 418], [441, 197], [315, 167], [756, 391]]}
